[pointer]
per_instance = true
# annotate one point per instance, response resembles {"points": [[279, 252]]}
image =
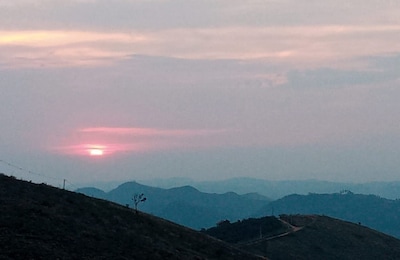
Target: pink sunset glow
{"points": [[270, 89], [105, 149], [116, 140]]}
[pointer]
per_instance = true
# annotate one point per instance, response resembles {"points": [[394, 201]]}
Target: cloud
{"points": [[385, 62], [149, 131], [63, 48], [57, 38], [333, 78], [376, 71], [161, 14], [296, 46]]}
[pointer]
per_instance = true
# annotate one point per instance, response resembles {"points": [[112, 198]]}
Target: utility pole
{"points": [[64, 185]]}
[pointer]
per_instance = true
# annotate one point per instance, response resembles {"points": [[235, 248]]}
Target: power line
{"points": [[28, 171], [46, 177]]}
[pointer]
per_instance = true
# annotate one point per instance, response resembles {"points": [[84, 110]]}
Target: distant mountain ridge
{"points": [[190, 207], [185, 205], [369, 210], [278, 189]]}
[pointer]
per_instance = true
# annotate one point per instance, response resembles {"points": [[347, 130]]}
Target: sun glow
{"points": [[96, 152]]}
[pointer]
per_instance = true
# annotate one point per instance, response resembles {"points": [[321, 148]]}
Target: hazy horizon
{"points": [[98, 91]]}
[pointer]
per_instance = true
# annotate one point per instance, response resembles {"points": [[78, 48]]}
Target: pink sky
{"points": [[274, 89]]}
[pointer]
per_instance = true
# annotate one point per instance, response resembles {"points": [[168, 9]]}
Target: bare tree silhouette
{"points": [[138, 198]]}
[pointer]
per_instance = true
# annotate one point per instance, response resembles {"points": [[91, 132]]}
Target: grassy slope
{"points": [[327, 238], [42, 222]]}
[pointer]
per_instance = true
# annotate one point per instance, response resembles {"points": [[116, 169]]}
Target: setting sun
{"points": [[96, 152]]}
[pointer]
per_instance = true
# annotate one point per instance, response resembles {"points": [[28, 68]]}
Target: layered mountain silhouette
{"points": [[369, 210], [185, 205], [278, 189], [190, 207]]}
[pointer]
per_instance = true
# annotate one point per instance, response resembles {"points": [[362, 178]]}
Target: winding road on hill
{"points": [[292, 229]]}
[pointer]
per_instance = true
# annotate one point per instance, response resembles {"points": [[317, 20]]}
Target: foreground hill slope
{"points": [[42, 222], [309, 237], [327, 238]]}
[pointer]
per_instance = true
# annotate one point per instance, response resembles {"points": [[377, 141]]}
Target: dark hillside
{"points": [[42, 222], [328, 238], [247, 230], [312, 237]]}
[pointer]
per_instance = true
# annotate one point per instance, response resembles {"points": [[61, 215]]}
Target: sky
{"points": [[116, 90]]}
